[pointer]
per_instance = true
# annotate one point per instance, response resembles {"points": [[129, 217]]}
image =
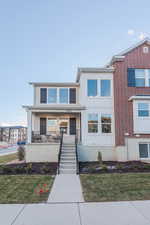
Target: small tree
{"points": [[99, 158], [21, 153]]}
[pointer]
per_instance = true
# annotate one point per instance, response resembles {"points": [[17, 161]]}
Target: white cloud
{"points": [[131, 32], [142, 36]]}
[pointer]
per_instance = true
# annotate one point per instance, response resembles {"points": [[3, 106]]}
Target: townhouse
{"points": [[107, 109]]}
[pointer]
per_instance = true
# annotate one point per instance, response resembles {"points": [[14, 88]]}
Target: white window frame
{"points": [[90, 133], [146, 77], [137, 110], [62, 103], [100, 124], [106, 123], [148, 144], [58, 97], [99, 88]]}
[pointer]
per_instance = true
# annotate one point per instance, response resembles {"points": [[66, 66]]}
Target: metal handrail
{"points": [[60, 149], [76, 146]]}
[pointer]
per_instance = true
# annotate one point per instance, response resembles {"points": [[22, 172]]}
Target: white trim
{"points": [[99, 88], [148, 144], [58, 96]]}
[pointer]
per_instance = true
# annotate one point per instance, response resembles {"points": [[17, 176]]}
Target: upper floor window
{"points": [[138, 77], [58, 95], [52, 95], [63, 95], [143, 109], [98, 88], [105, 87], [92, 87]]}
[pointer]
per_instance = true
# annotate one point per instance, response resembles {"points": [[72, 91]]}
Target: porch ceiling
{"points": [[56, 109]]}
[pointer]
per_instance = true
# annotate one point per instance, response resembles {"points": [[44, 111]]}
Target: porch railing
{"points": [[60, 150], [76, 148], [47, 138]]}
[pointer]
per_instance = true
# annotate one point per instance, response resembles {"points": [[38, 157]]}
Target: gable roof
{"points": [[121, 55]]}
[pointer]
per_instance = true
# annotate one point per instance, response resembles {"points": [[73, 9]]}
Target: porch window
{"points": [[52, 95], [144, 150], [63, 95], [105, 87], [92, 88], [106, 123], [52, 125], [143, 109], [92, 123]]}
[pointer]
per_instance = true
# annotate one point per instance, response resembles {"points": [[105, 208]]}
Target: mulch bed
{"points": [[29, 168], [113, 167]]}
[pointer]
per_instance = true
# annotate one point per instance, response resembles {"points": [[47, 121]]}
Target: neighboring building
{"points": [[13, 134], [107, 108]]}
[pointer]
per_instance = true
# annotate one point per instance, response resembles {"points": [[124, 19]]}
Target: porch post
{"points": [[29, 122]]}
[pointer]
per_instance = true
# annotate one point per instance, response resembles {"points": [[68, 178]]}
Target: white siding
{"points": [[100, 105], [141, 124]]}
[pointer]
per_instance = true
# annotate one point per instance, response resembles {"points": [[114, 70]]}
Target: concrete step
{"points": [[67, 171], [67, 158], [68, 161], [68, 165], [68, 150], [68, 153]]}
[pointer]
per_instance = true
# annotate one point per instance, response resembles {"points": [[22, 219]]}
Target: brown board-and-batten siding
{"points": [[123, 108]]}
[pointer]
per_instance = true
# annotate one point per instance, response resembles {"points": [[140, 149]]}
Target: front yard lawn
{"points": [[116, 187], [25, 188], [8, 158]]}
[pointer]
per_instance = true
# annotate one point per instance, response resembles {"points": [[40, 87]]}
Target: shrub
{"points": [[119, 166], [104, 168], [7, 170], [99, 158], [21, 153], [45, 169], [29, 168], [20, 170], [146, 166]]}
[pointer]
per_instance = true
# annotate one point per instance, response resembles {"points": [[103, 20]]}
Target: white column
{"points": [[29, 121]]}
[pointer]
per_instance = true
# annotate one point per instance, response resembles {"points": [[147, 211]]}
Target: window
{"points": [[143, 109], [105, 87], [52, 125], [144, 150], [43, 95], [92, 87], [106, 123], [140, 77], [92, 123], [145, 49], [63, 95], [52, 95], [149, 78]]}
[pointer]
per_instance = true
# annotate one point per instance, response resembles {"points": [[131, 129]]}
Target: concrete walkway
{"points": [[66, 188], [114, 213]]}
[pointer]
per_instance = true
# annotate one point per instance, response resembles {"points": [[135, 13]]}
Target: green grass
{"points": [[8, 158], [21, 188], [116, 187]]}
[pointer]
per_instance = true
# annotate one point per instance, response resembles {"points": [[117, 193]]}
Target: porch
{"points": [[47, 127]]}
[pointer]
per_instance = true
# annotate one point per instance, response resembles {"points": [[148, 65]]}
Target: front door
{"points": [[43, 126], [72, 126]]}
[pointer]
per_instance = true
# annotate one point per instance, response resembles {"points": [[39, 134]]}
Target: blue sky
{"points": [[46, 40]]}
